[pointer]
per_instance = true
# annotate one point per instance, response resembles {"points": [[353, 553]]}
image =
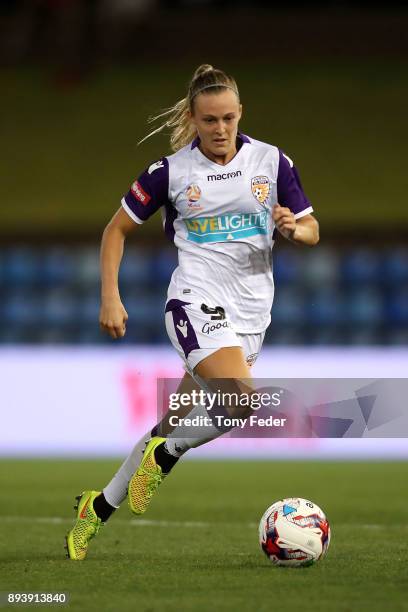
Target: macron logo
{"points": [[155, 166], [224, 176], [182, 326]]}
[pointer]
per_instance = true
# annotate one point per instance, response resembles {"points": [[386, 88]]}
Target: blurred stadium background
{"points": [[328, 85]]}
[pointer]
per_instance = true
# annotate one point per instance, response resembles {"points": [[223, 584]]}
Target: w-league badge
{"points": [[260, 188], [193, 193]]}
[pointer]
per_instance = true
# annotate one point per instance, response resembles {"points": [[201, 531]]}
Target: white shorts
{"points": [[196, 331]]}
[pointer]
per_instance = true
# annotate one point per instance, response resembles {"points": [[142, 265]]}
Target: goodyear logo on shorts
{"points": [[226, 227]]}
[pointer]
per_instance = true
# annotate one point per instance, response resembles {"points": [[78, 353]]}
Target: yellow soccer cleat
{"points": [[86, 527], [146, 480]]}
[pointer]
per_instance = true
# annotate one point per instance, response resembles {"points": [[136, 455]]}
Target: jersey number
{"points": [[218, 313]]}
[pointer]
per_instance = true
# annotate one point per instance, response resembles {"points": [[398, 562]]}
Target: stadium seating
{"points": [[326, 296]]}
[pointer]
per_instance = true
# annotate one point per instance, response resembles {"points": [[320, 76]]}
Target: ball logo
{"points": [[261, 187], [193, 193]]}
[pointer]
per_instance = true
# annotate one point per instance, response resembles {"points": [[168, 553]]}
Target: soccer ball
{"points": [[294, 532]]}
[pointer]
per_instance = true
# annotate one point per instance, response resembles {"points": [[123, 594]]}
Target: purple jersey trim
{"points": [[240, 137], [290, 191], [170, 216], [186, 335], [153, 185], [244, 137], [172, 304]]}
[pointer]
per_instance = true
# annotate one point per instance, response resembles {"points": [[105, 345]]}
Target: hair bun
{"points": [[202, 70]]}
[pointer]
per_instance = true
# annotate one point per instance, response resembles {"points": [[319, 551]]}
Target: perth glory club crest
{"points": [[260, 188]]}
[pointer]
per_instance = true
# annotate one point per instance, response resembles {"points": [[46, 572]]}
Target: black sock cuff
{"points": [[102, 509], [164, 458]]}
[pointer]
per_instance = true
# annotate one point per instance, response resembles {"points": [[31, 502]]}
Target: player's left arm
{"points": [[292, 215], [300, 231]]}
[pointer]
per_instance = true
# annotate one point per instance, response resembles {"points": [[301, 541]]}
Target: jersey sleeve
{"points": [[149, 192], [290, 190]]}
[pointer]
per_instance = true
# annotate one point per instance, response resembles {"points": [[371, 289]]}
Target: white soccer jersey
{"points": [[220, 218]]}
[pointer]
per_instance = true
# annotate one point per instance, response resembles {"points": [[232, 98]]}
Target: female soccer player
{"points": [[221, 195]]}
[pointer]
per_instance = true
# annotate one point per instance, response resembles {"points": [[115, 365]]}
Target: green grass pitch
{"points": [[197, 546]]}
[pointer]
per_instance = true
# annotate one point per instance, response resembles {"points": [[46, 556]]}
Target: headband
{"points": [[215, 85]]}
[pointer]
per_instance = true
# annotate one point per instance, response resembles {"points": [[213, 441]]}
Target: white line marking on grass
{"points": [[49, 520], [58, 520], [153, 523]]}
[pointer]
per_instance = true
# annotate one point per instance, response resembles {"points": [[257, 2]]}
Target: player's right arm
{"points": [[146, 195], [113, 316]]}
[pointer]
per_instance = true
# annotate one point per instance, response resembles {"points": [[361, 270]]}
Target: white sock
{"points": [[177, 443], [180, 440], [115, 492]]}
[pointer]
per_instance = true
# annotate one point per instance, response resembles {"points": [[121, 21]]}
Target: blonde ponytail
{"points": [[177, 117]]}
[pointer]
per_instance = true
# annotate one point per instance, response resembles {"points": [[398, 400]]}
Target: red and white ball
{"points": [[294, 532]]}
